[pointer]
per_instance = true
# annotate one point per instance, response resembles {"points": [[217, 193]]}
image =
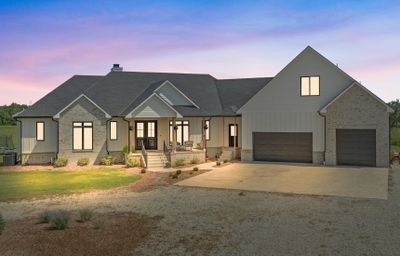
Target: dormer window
{"points": [[309, 86]]}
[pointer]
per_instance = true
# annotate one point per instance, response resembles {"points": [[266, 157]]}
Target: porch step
{"points": [[156, 159]]}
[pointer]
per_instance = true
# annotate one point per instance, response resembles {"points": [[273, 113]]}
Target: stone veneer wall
{"points": [[356, 109], [188, 156], [82, 111]]}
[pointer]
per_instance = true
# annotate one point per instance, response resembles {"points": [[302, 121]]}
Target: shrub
{"points": [[44, 217], [2, 224], [218, 163], [167, 165], [196, 169], [131, 161], [107, 160], [195, 161], [83, 161], [178, 172], [59, 219], [60, 162], [85, 215], [143, 170], [125, 150], [180, 162], [225, 161], [174, 176]]}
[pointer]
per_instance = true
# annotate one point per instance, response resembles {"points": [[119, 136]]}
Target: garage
{"points": [[283, 146], [356, 147]]}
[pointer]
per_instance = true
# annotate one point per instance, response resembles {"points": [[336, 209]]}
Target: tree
{"points": [[395, 116], [7, 111]]}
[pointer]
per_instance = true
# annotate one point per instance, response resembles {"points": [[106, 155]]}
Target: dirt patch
{"points": [[109, 234], [154, 180]]}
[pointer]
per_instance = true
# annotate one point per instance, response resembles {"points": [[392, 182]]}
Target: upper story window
{"points": [[40, 131], [309, 86], [113, 130], [82, 136]]}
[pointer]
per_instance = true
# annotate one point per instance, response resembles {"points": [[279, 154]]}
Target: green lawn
{"points": [[33, 184]]}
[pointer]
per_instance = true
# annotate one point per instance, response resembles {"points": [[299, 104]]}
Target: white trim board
{"points": [[75, 100], [179, 91]]}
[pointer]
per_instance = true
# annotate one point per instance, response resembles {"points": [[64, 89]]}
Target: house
{"points": [[310, 112]]}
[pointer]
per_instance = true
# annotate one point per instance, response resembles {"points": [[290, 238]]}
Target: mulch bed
{"points": [[154, 180], [119, 234]]}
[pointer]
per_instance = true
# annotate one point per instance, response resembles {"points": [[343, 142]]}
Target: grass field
{"points": [[33, 184], [8, 131]]}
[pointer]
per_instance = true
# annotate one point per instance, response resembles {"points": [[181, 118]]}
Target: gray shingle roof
{"points": [[118, 93], [234, 93], [60, 97]]}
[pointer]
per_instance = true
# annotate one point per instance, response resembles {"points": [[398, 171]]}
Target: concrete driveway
{"points": [[355, 182]]}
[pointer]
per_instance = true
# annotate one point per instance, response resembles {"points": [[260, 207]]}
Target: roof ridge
{"points": [[246, 78], [162, 72]]}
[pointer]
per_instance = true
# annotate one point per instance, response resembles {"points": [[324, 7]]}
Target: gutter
{"points": [[319, 113]]}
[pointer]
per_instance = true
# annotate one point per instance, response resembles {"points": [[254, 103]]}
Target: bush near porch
{"points": [[40, 183]]}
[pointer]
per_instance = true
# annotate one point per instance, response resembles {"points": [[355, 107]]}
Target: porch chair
{"points": [[188, 145]]}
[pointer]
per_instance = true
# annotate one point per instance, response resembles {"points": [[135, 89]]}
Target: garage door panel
{"points": [[282, 146], [356, 147]]}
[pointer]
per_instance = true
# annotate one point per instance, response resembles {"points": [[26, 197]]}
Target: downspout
{"points": [[108, 153], [20, 139], [58, 138], [319, 113]]}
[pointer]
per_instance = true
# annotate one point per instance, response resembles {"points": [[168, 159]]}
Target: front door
{"points": [[233, 135], [146, 132]]}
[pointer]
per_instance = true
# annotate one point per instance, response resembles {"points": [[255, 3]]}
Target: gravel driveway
{"points": [[200, 221]]}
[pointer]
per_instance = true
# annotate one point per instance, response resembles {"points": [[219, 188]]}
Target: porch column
{"points": [[174, 131], [235, 139]]}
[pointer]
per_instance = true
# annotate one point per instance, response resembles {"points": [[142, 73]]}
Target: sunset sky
{"points": [[43, 43]]}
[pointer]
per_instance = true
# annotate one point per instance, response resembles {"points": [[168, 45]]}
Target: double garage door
{"points": [[282, 146], [353, 147]]}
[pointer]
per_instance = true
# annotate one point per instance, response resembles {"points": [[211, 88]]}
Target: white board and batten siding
{"points": [[279, 107]]}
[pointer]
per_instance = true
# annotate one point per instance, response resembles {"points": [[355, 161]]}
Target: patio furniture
{"points": [[188, 145]]}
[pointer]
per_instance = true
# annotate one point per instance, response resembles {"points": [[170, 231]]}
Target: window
{"points": [[40, 131], [182, 131], [82, 136], [309, 85], [113, 130], [207, 129]]}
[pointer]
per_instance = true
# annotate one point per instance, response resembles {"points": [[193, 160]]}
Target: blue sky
{"points": [[45, 42]]}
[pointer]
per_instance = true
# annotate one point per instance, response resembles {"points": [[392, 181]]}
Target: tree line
{"points": [[395, 117], [7, 111]]}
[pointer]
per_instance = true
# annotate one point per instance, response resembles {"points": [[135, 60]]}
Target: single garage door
{"points": [[283, 146], [356, 147]]}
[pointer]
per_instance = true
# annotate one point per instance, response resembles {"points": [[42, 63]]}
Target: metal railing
{"points": [[144, 154]]}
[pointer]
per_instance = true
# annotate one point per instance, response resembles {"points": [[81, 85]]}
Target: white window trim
{"points": [[43, 131]]}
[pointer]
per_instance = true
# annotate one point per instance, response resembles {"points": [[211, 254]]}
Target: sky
{"points": [[43, 43]]}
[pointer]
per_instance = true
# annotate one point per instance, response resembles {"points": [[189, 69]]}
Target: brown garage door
{"points": [[356, 147], [283, 146]]}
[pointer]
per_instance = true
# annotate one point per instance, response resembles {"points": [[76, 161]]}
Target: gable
{"points": [[82, 98], [282, 94], [154, 107], [173, 96], [355, 93]]}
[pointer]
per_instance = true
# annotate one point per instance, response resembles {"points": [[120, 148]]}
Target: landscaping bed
{"points": [[118, 234]]}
